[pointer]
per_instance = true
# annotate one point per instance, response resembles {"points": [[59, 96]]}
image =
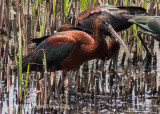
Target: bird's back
{"points": [[56, 49], [118, 16]]}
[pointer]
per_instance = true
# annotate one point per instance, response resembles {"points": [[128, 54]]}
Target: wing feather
{"points": [[56, 48]]}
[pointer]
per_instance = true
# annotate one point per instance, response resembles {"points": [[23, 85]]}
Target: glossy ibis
{"points": [[117, 16], [67, 50], [151, 25]]}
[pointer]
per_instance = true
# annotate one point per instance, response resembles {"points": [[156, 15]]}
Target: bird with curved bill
{"points": [[117, 17], [67, 50]]}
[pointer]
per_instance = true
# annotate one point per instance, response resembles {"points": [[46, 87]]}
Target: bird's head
{"points": [[102, 25], [98, 24]]}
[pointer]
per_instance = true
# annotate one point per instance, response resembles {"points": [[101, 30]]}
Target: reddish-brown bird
{"points": [[117, 16], [67, 50]]}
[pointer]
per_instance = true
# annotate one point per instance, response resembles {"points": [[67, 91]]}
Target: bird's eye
{"points": [[105, 24]]}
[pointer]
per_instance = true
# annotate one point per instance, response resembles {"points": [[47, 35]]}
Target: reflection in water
{"points": [[91, 89]]}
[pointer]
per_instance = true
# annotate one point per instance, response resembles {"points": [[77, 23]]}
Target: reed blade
{"points": [[20, 60], [26, 79]]}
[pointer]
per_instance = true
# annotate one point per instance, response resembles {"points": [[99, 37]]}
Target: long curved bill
{"points": [[110, 29]]}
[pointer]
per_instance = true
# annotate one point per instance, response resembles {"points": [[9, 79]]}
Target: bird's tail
{"points": [[135, 10], [29, 60]]}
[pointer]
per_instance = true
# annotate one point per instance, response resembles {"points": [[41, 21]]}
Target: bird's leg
{"points": [[147, 60], [67, 85], [50, 89], [61, 81], [151, 34]]}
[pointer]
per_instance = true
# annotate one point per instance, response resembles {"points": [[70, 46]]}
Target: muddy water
{"points": [[132, 91]]}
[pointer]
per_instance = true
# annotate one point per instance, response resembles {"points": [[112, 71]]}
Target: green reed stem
{"points": [[135, 34], [94, 1], [20, 59], [39, 2], [66, 3], [145, 3], [26, 79], [43, 21], [84, 4]]}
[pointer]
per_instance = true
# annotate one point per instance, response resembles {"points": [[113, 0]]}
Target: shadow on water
{"points": [[91, 89]]}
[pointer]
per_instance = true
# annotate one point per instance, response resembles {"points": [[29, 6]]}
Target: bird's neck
{"points": [[112, 47], [101, 45], [99, 38]]}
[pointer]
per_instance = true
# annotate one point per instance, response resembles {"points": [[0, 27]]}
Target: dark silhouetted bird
{"points": [[117, 16]]}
